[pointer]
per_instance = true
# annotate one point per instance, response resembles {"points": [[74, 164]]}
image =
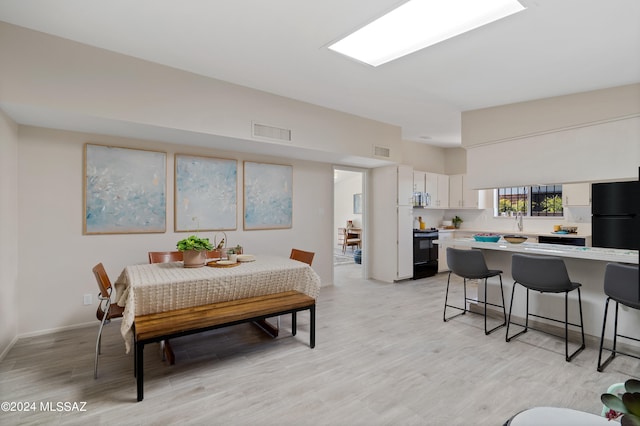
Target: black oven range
{"points": [[425, 253]]}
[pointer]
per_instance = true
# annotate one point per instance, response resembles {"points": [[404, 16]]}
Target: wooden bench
{"points": [[181, 322]]}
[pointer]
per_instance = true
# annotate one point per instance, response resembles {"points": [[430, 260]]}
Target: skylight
{"points": [[417, 24]]}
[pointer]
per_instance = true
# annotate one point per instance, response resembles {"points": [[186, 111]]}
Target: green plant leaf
{"points": [[632, 385], [630, 420], [632, 402], [613, 402], [194, 243]]}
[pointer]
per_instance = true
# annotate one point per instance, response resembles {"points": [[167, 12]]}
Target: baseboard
{"points": [[8, 348]]}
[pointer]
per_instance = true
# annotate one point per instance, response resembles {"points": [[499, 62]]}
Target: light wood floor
{"points": [[383, 357]]}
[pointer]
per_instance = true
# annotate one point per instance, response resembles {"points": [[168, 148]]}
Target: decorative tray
{"points": [[223, 264]]}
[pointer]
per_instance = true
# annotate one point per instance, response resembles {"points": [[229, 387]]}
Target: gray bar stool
{"points": [[545, 274], [620, 284], [470, 265]]}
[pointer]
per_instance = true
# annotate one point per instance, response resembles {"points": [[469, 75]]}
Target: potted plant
{"points": [[457, 220], [194, 251], [627, 405]]}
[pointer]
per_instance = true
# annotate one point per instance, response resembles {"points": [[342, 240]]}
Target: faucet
{"points": [[519, 220]]}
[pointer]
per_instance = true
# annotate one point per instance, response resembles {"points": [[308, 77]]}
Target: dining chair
{"points": [[545, 274], [214, 254], [470, 265], [165, 256], [106, 309], [302, 256], [299, 255], [622, 286]]}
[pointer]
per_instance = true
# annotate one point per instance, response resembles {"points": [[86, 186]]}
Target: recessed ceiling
{"points": [[554, 47]]}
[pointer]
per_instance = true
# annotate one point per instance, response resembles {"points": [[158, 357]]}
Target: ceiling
{"points": [[554, 47]]}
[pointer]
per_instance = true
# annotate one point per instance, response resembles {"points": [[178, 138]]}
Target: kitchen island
{"points": [[585, 265]]}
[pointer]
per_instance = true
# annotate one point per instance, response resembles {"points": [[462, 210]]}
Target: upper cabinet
{"points": [[419, 181], [437, 186], [576, 194], [460, 195]]}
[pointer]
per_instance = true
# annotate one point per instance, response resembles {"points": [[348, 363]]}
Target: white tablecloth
{"points": [[160, 287]]}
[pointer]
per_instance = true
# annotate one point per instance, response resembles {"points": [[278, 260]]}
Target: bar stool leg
{"points": [[446, 298], [604, 327], [464, 286], [526, 323], [568, 357], [487, 332], [615, 329]]}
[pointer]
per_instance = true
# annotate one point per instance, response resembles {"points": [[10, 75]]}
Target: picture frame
{"points": [[124, 190], [268, 196], [357, 203], [206, 193]]}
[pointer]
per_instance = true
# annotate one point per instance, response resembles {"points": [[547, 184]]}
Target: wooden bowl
{"points": [[515, 239]]}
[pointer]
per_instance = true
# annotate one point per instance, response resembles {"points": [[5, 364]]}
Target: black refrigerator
{"points": [[615, 210]]}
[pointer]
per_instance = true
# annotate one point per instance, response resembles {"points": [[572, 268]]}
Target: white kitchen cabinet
{"points": [[419, 181], [460, 195], [437, 186], [391, 242], [576, 194]]}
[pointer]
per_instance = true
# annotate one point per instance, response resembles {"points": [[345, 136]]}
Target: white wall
{"points": [[55, 259], [8, 231], [423, 157], [70, 82]]}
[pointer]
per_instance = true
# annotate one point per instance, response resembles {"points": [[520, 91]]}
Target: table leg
{"points": [[267, 327], [168, 353], [294, 323], [139, 370], [312, 314]]}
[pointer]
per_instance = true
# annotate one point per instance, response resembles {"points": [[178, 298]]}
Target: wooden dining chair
{"points": [[214, 254], [302, 256], [165, 256], [106, 309]]}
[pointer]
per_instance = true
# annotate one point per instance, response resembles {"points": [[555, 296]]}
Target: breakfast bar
{"points": [[585, 265]]}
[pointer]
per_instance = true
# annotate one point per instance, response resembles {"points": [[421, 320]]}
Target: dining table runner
{"points": [[160, 287]]}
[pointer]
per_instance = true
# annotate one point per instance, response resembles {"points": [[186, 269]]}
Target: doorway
{"points": [[349, 212]]}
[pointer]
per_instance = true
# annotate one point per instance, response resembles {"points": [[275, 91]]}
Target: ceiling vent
{"points": [[270, 132], [381, 151]]}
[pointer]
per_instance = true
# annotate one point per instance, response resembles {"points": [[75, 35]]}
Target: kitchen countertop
{"points": [[537, 234], [591, 253]]}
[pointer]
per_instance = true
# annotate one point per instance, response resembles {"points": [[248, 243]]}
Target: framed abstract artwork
{"points": [[268, 196], [357, 203], [124, 190], [206, 193]]}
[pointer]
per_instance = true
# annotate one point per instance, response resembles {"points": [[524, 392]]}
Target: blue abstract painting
{"points": [[206, 193], [268, 196], [125, 190]]}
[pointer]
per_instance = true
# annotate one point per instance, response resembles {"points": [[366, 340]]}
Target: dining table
{"points": [[152, 288]]}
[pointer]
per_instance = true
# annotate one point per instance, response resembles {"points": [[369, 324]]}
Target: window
{"points": [[540, 200]]}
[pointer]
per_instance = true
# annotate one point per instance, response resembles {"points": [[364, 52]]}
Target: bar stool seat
{"points": [[622, 286], [545, 274], [470, 265]]}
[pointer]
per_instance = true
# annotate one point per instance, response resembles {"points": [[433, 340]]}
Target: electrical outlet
{"points": [[88, 299]]}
